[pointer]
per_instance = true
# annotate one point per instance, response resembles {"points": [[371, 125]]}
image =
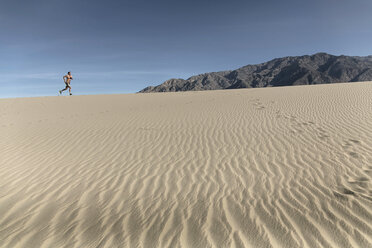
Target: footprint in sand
{"points": [[354, 154], [348, 145], [354, 141], [361, 185], [323, 136], [348, 191], [367, 170], [258, 104], [362, 181], [342, 195], [342, 192]]}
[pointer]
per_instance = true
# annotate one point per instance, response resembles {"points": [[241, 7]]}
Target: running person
{"points": [[67, 79]]}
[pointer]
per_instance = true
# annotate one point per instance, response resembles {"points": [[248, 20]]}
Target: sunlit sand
{"points": [[270, 167]]}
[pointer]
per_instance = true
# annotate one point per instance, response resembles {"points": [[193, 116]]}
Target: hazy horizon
{"points": [[123, 46]]}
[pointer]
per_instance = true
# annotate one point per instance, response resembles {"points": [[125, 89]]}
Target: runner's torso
{"points": [[68, 79]]}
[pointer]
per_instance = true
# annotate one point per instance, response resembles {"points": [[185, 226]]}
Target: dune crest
{"points": [[271, 167]]}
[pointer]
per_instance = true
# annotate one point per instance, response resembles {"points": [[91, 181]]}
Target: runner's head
{"points": [[69, 73]]}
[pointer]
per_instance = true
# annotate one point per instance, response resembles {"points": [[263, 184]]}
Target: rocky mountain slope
{"points": [[320, 68]]}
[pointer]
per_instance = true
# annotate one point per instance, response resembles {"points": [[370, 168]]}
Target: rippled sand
{"points": [[272, 167]]}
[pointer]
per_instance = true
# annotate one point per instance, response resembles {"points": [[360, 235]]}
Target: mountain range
{"points": [[319, 68]]}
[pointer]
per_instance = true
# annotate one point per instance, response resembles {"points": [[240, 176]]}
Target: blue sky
{"points": [[123, 46]]}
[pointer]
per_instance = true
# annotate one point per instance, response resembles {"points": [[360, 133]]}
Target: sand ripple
{"points": [[274, 167]]}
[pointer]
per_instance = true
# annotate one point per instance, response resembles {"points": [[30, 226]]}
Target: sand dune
{"points": [[272, 167]]}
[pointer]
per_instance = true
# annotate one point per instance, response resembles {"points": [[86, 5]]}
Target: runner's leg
{"points": [[60, 92]]}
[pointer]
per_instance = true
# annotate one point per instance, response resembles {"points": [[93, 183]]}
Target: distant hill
{"points": [[320, 68]]}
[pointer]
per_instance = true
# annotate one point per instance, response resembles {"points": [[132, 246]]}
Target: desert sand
{"points": [[271, 167]]}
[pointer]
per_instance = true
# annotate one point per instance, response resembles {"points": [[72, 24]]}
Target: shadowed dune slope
{"points": [[270, 167]]}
